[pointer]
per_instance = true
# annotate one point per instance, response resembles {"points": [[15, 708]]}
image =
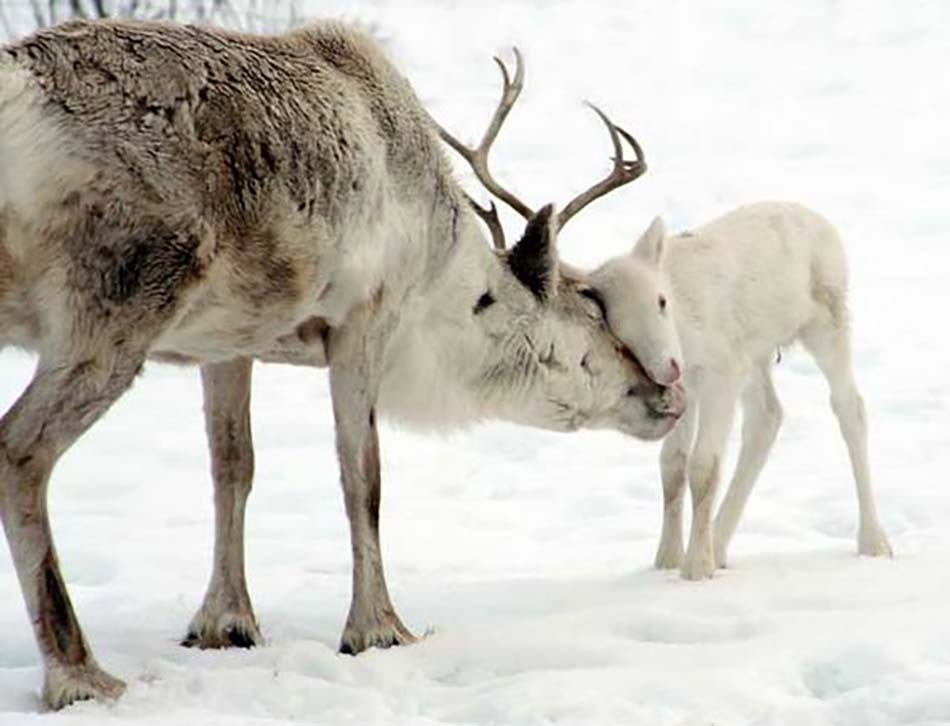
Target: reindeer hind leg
{"points": [[828, 340], [226, 617]]}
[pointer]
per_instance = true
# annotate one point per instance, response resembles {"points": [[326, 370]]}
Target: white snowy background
{"points": [[528, 554]]}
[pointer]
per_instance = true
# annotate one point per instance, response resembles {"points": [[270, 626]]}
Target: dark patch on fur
{"points": [[122, 257], [598, 299], [376, 300], [531, 260], [485, 301], [173, 358], [313, 330], [148, 267], [585, 363], [370, 467], [60, 630], [455, 225], [270, 276]]}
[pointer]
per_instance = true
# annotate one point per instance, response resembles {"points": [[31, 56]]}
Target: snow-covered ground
{"points": [[528, 554]]}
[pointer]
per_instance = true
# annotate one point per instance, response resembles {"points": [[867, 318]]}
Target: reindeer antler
{"points": [[478, 157], [623, 172]]}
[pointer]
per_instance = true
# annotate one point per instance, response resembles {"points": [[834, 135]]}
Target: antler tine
{"points": [[489, 215], [509, 94], [478, 157], [624, 171]]}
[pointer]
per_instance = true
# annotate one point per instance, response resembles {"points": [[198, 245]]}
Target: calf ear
{"points": [[649, 248], [534, 259]]}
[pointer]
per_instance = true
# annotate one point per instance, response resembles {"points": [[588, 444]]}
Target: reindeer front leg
{"points": [[226, 617], [354, 384], [64, 398], [674, 458], [716, 400]]}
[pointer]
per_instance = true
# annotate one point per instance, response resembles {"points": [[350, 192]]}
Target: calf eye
{"points": [[662, 302], [591, 294], [486, 300]]}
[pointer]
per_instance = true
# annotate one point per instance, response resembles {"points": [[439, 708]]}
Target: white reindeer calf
{"points": [[723, 300]]}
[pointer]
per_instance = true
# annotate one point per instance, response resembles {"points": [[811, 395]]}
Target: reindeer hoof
{"points": [[721, 559], [382, 635], [68, 684], [698, 565], [227, 630], [873, 543], [669, 555]]}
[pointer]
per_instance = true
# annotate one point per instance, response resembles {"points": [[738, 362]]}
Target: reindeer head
{"points": [[549, 353], [637, 295]]}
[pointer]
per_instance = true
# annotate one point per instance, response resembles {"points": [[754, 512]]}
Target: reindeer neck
{"points": [[431, 372]]}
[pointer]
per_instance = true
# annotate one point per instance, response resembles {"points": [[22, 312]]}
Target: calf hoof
{"points": [[68, 684], [698, 565], [226, 630], [873, 543], [385, 634], [669, 555], [721, 558]]}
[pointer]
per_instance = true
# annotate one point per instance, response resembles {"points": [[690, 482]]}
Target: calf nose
{"points": [[670, 376], [675, 371]]}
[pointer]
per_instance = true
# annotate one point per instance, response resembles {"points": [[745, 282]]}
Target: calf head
{"points": [[637, 296]]}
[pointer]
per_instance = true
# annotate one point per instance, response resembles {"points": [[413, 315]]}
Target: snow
{"points": [[528, 554]]}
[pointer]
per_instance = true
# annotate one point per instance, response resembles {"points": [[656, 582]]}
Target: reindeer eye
{"points": [[662, 301], [594, 296], [486, 300]]}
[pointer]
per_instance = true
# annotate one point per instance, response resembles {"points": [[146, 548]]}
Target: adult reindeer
{"points": [[208, 197]]}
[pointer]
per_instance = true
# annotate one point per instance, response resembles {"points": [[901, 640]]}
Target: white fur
{"points": [[737, 290], [37, 161]]}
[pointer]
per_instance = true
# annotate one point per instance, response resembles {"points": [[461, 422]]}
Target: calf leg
{"points": [[226, 617], [761, 420], [674, 457], [831, 347], [717, 400], [64, 398], [372, 620]]}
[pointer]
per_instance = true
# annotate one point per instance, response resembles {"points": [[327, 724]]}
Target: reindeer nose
{"points": [[676, 400], [675, 371], [670, 376]]}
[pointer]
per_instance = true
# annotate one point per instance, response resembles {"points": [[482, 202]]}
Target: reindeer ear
{"points": [[649, 248], [534, 259]]}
